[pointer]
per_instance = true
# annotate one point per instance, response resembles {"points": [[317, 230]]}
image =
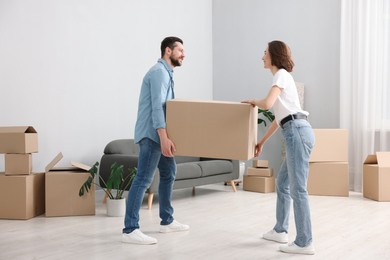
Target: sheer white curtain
{"points": [[364, 80]]}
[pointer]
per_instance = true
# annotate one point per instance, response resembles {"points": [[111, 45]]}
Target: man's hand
{"points": [[167, 146]]}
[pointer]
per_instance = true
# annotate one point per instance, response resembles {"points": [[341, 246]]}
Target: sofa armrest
{"points": [[236, 169], [122, 146]]}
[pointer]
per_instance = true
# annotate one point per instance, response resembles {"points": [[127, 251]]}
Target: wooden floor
{"points": [[224, 225]]}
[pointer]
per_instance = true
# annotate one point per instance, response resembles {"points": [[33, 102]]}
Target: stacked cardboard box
{"points": [[22, 193], [259, 178], [17, 143], [328, 166], [376, 177]]}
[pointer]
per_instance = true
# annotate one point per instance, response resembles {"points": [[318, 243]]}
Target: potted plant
{"points": [[115, 186]]}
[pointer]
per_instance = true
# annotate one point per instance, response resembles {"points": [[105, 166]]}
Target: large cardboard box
{"points": [[259, 184], [376, 177], [261, 172], [22, 196], [328, 178], [62, 191], [18, 164], [331, 145], [18, 139], [215, 129]]}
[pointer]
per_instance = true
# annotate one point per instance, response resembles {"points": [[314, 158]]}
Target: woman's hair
{"points": [[280, 55], [169, 42]]}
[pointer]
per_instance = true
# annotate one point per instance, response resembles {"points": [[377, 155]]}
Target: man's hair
{"points": [[280, 55], [169, 42]]}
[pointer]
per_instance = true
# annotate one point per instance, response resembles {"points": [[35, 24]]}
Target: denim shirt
{"points": [[156, 89]]}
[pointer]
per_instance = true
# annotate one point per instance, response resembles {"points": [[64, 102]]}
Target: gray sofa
{"points": [[191, 171]]}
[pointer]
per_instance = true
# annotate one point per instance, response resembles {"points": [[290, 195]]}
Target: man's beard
{"points": [[174, 62]]}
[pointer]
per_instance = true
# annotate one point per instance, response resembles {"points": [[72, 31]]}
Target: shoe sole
{"points": [[129, 240], [135, 242], [274, 240], [303, 252], [298, 253], [172, 231]]}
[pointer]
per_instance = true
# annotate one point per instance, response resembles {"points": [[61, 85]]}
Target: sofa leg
{"points": [[150, 200], [193, 191], [233, 184]]}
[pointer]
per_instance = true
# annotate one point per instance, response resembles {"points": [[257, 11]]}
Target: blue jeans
{"points": [[292, 180], [150, 158]]}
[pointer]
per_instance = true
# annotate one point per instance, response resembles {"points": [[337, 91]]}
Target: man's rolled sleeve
{"points": [[158, 88]]}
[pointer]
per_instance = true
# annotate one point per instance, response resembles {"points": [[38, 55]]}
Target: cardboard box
{"points": [[328, 178], [22, 196], [18, 139], [214, 129], [62, 191], [259, 184], [331, 145], [376, 177], [261, 172], [18, 164], [260, 163]]}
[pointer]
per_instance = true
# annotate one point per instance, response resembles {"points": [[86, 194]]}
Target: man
{"points": [[156, 149]]}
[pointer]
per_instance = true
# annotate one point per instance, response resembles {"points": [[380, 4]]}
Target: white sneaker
{"points": [[173, 227], [272, 235], [294, 249], [137, 237]]}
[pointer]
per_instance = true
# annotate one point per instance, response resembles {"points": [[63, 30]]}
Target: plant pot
{"points": [[116, 208]]}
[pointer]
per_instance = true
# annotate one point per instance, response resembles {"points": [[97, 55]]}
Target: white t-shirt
{"points": [[287, 102]]}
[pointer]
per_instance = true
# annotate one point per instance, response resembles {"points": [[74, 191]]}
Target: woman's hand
{"points": [[250, 101], [258, 149]]}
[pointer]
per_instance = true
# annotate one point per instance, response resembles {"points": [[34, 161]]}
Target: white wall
{"points": [[241, 31], [73, 69]]}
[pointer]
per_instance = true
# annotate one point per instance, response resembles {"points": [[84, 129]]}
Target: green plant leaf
{"points": [[261, 121], [86, 186], [266, 114], [116, 177], [115, 181], [126, 183]]}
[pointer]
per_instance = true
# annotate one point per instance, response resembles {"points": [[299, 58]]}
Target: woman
{"points": [[299, 141]]}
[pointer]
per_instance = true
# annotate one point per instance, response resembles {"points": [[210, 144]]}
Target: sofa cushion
{"points": [[184, 159], [215, 167], [188, 170]]}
